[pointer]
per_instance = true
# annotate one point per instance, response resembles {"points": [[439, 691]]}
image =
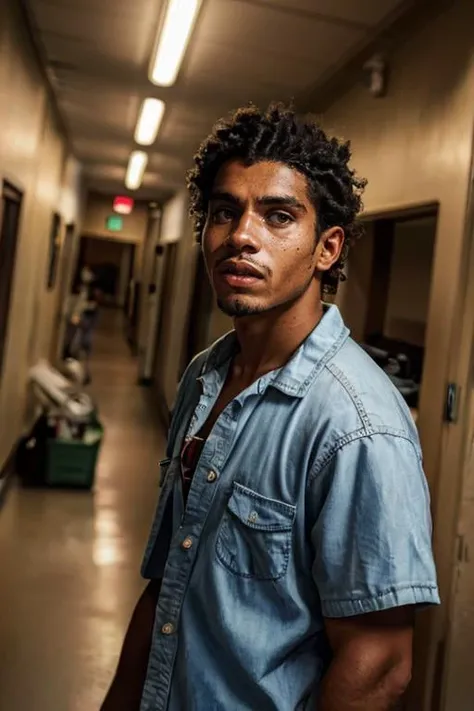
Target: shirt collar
{"points": [[296, 376]]}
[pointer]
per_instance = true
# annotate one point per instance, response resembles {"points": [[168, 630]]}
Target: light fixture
{"points": [[172, 41], [123, 205], [136, 169], [149, 121]]}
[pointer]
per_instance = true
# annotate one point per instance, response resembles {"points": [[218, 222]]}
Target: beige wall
{"points": [[99, 207], [174, 219], [33, 156], [415, 146]]}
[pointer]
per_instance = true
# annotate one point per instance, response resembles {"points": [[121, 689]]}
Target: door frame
{"points": [[11, 193], [429, 647], [460, 438], [65, 276]]}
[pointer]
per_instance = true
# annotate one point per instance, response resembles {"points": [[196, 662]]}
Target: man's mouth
{"points": [[239, 273]]}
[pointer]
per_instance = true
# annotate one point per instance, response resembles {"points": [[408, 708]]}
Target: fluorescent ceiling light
{"points": [[136, 169], [149, 121], [173, 40]]}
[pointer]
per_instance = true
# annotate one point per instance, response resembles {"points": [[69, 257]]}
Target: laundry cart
{"points": [[64, 445]]}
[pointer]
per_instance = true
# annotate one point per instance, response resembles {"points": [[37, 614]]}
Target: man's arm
{"points": [[126, 690], [371, 667]]}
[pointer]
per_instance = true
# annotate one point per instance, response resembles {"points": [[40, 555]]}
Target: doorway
{"points": [[386, 298], [112, 262], [10, 210]]}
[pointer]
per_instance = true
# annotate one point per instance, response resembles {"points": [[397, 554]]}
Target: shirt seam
{"points": [[353, 436], [299, 387], [346, 384]]}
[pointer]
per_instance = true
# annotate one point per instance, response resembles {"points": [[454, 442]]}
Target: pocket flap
{"points": [[260, 513]]}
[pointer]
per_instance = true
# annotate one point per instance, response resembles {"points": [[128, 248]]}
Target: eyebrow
{"points": [[265, 200]]}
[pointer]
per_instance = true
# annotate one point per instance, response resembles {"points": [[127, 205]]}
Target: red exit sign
{"points": [[123, 205]]}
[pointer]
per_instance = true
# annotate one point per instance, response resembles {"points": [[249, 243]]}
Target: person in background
{"points": [[83, 320], [291, 546]]}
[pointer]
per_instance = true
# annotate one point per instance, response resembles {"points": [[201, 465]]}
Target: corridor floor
{"points": [[70, 560]]}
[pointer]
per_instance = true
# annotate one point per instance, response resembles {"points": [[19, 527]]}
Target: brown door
{"points": [[10, 208]]}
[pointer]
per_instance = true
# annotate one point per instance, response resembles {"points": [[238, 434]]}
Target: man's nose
{"points": [[243, 235]]}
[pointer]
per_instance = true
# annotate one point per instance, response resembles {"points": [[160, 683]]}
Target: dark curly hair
{"points": [[280, 135]]}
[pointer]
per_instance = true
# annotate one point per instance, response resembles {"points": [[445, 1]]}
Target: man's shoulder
{"points": [[358, 396]]}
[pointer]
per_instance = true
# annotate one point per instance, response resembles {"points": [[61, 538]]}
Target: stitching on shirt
{"points": [[395, 589], [335, 348], [227, 559], [350, 390], [324, 460], [300, 388], [272, 503]]}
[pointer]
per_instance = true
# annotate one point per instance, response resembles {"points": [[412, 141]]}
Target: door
{"points": [[459, 679], [65, 277], [199, 314], [153, 310], [10, 209]]}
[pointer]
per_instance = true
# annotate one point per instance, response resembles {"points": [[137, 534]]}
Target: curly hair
{"points": [[279, 134]]}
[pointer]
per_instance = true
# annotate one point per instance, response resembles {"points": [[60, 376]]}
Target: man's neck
{"points": [[268, 340]]}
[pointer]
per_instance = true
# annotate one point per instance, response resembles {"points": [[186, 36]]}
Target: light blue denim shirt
{"points": [[309, 501]]}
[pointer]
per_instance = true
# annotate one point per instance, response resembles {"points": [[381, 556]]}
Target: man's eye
{"points": [[222, 215], [279, 219]]}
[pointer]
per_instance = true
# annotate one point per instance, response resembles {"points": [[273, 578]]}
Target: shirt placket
{"points": [[184, 549]]}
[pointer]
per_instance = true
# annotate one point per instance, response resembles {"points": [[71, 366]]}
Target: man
{"points": [[291, 544], [83, 320]]}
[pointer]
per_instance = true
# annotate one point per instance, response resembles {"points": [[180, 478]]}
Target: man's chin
{"points": [[236, 307]]}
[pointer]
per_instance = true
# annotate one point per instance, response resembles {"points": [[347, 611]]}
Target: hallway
{"points": [[70, 560]]}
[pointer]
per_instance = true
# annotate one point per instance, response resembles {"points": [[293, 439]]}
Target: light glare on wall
{"points": [[149, 121], [173, 40], [136, 169]]}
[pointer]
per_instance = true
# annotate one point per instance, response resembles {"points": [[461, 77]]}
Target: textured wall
{"points": [[34, 158]]}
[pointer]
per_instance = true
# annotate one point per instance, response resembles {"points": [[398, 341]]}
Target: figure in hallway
{"points": [[83, 320], [291, 545]]}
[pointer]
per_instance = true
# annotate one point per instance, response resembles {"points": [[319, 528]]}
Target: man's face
{"points": [[259, 240]]}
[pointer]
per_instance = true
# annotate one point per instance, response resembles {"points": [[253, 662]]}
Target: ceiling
{"points": [[97, 54]]}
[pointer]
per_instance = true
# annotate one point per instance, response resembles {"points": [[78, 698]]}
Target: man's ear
{"points": [[329, 248]]}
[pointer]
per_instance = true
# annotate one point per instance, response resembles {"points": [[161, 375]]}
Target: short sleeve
{"points": [[372, 534]]}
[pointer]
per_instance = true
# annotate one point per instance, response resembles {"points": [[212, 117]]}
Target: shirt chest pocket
{"points": [[255, 535]]}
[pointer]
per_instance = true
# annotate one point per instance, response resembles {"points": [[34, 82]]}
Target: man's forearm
{"points": [[126, 689], [358, 688]]}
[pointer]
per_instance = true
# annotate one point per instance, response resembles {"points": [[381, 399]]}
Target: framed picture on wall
{"points": [[54, 248]]}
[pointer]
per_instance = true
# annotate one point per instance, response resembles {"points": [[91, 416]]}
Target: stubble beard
{"points": [[237, 307]]}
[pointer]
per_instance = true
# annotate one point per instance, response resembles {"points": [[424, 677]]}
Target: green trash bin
{"points": [[71, 462]]}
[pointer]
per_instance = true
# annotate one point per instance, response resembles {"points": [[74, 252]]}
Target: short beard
{"points": [[237, 308]]}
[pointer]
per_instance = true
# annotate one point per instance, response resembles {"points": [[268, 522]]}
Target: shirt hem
{"points": [[397, 597]]}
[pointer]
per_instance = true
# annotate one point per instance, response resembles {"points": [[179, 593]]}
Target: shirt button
{"points": [[187, 543], [253, 517], [167, 629], [211, 477]]}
